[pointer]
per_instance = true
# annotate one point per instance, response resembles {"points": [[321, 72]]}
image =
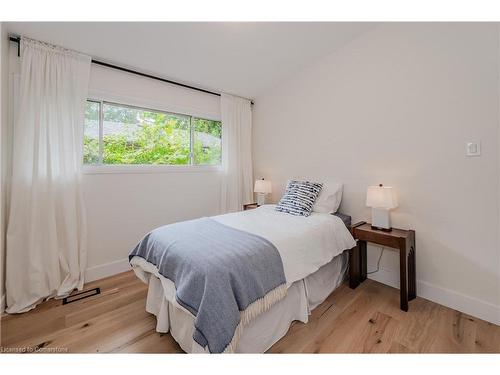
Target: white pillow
{"points": [[329, 198]]}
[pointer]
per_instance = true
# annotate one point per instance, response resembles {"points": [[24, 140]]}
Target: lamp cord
{"points": [[378, 262]]}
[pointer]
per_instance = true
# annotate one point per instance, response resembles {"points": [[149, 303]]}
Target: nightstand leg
{"points": [[362, 260], [412, 275], [403, 264], [354, 270]]}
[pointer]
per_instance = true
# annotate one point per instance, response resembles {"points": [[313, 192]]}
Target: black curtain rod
{"points": [[112, 66], [102, 63]]}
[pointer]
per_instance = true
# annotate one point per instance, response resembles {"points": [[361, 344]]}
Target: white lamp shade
{"points": [[381, 197], [262, 186]]}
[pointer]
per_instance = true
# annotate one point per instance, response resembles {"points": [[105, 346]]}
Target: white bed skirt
{"points": [[263, 332]]}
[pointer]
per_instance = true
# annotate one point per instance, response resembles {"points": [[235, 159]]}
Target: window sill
{"points": [[133, 169]]}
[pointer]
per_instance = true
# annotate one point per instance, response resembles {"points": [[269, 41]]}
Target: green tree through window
{"points": [[138, 136]]}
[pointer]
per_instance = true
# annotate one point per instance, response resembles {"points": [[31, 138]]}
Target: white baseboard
{"points": [[107, 269], [2, 304], [458, 301], [446, 297]]}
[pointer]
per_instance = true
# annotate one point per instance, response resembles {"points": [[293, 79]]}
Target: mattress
{"points": [[260, 334]]}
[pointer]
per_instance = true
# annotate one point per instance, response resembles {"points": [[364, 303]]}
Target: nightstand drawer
{"points": [[393, 239], [378, 238], [250, 206]]}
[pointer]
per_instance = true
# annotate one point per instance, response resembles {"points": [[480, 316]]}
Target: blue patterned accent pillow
{"points": [[299, 197]]}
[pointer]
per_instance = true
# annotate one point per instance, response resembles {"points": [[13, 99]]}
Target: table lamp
{"points": [[262, 187], [381, 199]]}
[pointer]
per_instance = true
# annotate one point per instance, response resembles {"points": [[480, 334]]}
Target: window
{"points": [[117, 134]]}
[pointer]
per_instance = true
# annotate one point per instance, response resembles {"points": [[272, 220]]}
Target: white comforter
{"points": [[304, 243]]}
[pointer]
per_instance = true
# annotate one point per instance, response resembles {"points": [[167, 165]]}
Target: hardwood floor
{"points": [[365, 320]]}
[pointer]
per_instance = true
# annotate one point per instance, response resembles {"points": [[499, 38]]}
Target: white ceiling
{"points": [[239, 58]]}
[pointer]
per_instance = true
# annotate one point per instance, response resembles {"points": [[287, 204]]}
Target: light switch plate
{"points": [[473, 149]]}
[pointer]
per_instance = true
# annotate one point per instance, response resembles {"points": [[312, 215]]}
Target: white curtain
{"points": [[46, 234], [237, 181]]}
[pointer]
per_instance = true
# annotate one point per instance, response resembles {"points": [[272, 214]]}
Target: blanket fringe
{"points": [[253, 310]]}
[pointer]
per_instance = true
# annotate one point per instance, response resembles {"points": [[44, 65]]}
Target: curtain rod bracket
{"points": [[17, 40]]}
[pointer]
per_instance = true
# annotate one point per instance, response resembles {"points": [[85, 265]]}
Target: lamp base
{"points": [[381, 219], [261, 199]]}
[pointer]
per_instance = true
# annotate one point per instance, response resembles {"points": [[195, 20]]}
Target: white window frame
{"points": [[145, 168]]}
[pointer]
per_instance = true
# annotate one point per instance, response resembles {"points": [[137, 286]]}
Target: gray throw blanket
{"points": [[224, 276]]}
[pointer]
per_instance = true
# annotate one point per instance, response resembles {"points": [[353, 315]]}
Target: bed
{"points": [[314, 259]]}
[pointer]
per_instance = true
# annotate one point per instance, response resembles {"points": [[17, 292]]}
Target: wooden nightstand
{"points": [[250, 206], [403, 241]]}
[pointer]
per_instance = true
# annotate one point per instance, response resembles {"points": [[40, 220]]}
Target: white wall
{"points": [[396, 106], [123, 207]]}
